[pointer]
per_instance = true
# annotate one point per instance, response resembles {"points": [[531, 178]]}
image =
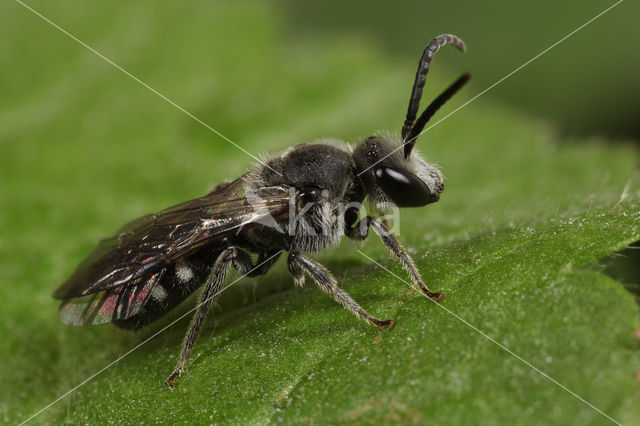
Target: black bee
{"points": [[302, 201]]}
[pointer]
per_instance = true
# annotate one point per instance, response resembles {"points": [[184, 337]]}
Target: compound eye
{"points": [[404, 189]]}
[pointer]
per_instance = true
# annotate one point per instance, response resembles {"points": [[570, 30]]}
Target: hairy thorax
{"points": [[319, 227]]}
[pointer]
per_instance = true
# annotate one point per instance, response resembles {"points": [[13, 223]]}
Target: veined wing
{"points": [[145, 245], [118, 303]]}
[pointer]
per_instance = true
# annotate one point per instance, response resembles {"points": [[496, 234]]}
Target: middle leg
{"points": [[299, 264]]}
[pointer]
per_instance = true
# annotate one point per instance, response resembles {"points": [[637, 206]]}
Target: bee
{"points": [[301, 201]]}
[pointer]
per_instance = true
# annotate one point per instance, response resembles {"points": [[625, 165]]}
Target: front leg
{"points": [[361, 231], [299, 264]]}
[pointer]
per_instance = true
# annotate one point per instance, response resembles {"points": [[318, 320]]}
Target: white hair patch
{"points": [[159, 293], [183, 272]]}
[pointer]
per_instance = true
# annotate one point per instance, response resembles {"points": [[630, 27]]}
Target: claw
{"points": [[171, 381], [388, 324], [391, 323], [437, 296], [431, 295]]}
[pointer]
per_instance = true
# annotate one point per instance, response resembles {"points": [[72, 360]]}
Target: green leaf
{"points": [[86, 149]]}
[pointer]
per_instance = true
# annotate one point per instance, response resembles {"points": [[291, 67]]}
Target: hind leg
{"points": [[266, 260], [230, 256]]}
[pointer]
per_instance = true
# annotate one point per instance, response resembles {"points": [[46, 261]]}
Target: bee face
{"points": [[391, 179]]}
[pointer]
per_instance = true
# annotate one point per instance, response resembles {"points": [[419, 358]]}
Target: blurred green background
{"points": [[83, 148], [586, 85]]}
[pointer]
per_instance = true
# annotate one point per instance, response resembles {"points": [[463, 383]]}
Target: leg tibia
{"points": [[394, 246], [323, 278], [211, 288]]}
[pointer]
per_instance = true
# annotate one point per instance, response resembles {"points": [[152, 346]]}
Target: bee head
{"points": [[392, 172], [390, 178]]}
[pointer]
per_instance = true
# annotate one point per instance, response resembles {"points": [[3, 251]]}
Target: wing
{"points": [[145, 245], [118, 303]]}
